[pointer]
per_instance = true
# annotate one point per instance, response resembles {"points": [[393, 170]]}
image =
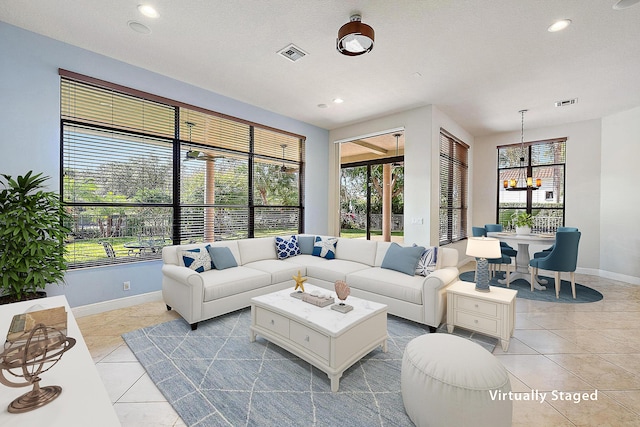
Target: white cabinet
{"points": [[491, 313]]}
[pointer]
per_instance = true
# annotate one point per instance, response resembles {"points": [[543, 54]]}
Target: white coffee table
{"points": [[491, 313], [329, 340]]}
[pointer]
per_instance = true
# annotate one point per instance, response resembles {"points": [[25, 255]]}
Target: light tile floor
{"points": [[568, 348]]}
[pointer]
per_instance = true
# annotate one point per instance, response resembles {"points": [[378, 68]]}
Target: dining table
{"points": [[522, 258]]}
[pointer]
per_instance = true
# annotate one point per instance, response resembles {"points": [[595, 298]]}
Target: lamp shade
{"points": [[483, 247], [355, 38]]}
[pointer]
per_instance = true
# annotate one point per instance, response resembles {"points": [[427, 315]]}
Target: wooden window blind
{"points": [[141, 172], [453, 188]]}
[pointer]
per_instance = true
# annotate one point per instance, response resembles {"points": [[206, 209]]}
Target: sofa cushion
{"points": [[335, 269], [357, 250], [389, 283], [256, 249], [279, 271], [325, 247], [381, 251], [306, 244], [197, 259], [232, 281], [402, 259], [222, 258], [287, 247], [306, 260], [427, 262]]}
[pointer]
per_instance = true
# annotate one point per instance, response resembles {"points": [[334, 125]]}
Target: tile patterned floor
{"points": [[568, 348]]}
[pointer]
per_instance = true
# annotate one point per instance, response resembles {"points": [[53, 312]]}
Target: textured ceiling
{"points": [[480, 61]]}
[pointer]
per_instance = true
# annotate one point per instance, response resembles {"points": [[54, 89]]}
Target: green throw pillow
{"points": [[402, 259], [222, 257]]}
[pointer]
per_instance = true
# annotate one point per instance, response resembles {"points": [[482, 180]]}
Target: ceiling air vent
{"points": [[566, 102], [292, 53]]}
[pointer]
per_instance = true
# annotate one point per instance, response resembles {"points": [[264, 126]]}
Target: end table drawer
{"points": [[477, 323], [476, 306], [310, 339], [272, 321]]}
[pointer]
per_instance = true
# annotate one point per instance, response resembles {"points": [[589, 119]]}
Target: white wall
{"points": [[421, 167], [620, 203], [30, 123], [582, 198]]}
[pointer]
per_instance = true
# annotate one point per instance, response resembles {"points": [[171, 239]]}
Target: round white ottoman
{"points": [[448, 381]]}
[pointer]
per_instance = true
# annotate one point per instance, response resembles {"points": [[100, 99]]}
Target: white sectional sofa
{"points": [[201, 296]]}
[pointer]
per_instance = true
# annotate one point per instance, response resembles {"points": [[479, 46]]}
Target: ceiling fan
{"points": [[284, 168]]}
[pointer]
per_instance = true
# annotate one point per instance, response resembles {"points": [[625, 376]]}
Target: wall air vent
{"points": [[566, 102], [292, 53]]}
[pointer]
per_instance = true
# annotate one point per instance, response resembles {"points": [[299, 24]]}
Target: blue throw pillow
{"points": [[287, 247], [197, 259], [306, 244], [325, 248], [222, 257], [427, 262], [402, 259]]}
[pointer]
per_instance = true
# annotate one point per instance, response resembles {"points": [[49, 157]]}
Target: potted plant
{"points": [[33, 227], [523, 222]]}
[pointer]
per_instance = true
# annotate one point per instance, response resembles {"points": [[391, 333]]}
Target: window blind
{"points": [[453, 188], [141, 172]]}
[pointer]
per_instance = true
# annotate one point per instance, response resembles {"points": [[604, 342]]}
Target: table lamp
{"points": [[482, 248]]}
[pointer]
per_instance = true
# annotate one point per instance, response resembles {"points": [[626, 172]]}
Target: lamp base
{"points": [[482, 275]]}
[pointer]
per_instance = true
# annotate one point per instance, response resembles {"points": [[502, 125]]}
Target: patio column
{"points": [[209, 198], [386, 202]]}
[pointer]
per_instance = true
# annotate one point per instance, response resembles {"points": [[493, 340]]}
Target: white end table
{"points": [[491, 313]]}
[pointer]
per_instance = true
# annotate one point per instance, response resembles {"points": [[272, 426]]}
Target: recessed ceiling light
{"points": [[323, 106], [138, 27], [338, 101], [559, 25], [148, 11], [623, 4]]}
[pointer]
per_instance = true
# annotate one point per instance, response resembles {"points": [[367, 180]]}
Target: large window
{"points": [[544, 160], [141, 172], [453, 188]]}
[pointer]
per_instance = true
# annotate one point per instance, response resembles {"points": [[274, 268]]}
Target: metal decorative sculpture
{"points": [[342, 291], [28, 357]]}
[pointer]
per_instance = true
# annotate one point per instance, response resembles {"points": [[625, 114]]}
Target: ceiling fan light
{"points": [[355, 38]]}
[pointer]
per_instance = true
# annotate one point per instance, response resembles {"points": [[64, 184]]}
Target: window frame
{"points": [[529, 170], [177, 142]]}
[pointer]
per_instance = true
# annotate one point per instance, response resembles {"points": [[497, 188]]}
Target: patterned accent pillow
{"points": [[427, 262], [197, 259], [287, 247], [325, 247]]}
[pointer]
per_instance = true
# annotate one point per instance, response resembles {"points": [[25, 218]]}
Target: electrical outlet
{"points": [[126, 286]]}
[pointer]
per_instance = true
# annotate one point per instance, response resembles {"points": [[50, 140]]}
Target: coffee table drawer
{"points": [[477, 323], [272, 321], [310, 339], [477, 306]]}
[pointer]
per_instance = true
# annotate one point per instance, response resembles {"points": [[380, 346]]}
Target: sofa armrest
{"points": [[182, 274], [435, 296], [183, 290]]}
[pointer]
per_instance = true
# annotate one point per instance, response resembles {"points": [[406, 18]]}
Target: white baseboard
{"points": [[101, 307], [619, 277]]}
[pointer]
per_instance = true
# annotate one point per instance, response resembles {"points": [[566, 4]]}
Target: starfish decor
{"points": [[299, 281]]}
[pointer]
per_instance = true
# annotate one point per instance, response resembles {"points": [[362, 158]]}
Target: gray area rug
{"points": [[214, 376], [584, 294]]}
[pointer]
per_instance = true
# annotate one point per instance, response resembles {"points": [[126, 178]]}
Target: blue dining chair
{"points": [[562, 258], [504, 246], [494, 262], [545, 252]]}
